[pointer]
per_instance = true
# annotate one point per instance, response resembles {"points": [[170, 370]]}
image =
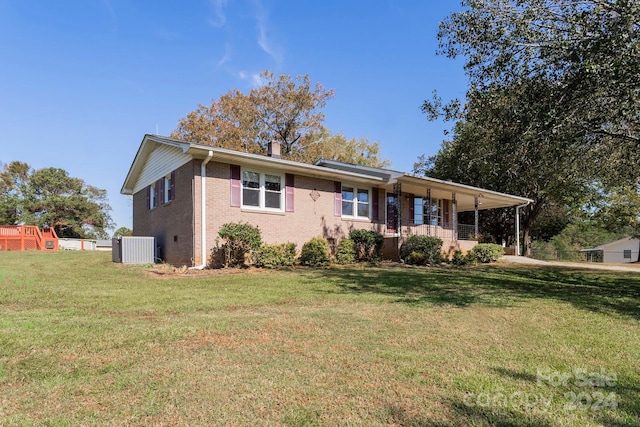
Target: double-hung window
{"points": [[152, 196], [421, 211], [262, 190], [168, 189], [355, 202]]}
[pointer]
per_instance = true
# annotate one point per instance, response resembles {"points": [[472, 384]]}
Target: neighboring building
{"points": [[289, 201], [618, 252]]}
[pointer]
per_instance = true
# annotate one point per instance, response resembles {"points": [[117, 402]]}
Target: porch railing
{"points": [[445, 232]]}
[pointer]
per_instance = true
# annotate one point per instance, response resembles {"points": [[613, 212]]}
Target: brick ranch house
{"points": [[183, 192]]}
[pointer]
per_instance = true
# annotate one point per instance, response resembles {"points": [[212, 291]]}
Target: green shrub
{"points": [[276, 256], [487, 252], [240, 240], [367, 244], [315, 253], [458, 258], [421, 250], [345, 252]]}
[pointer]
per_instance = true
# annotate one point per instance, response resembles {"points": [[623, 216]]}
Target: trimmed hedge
{"points": [[276, 256], [487, 252], [367, 244], [240, 241], [315, 253], [345, 252], [421, 250]]}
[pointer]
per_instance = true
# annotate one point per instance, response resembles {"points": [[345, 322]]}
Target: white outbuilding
{"points": [[621, 251]]}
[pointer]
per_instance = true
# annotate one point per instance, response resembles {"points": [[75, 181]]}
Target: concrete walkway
{"points": [[635, 268]]}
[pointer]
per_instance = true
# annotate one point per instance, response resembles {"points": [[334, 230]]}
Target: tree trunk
{"points": [[526, 242]]}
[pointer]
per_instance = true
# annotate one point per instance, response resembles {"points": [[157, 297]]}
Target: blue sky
{"points": [[81, 81]]}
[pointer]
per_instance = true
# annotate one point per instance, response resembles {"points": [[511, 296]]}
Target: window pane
{"points": [[272, 182], [250, 179], [250, 197], [363, 209], [272, 200], [417, 211], [363, 196], [347, 193], [347, 207]]}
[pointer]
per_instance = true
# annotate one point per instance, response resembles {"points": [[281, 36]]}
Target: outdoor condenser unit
{"points": [[133, 250]]}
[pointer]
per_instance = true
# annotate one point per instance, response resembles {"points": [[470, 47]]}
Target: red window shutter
{"points": [[337, 198], [412, 208], [288, 192], [236, 185], [160, 188], [445, 212], [148, 197], [173, 185], [375, 202]]}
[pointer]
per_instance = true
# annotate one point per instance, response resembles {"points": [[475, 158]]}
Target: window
{"points": [[262, 190], [627, 254], [152, 196], [421, 211], [168, 188], [355, 202]]}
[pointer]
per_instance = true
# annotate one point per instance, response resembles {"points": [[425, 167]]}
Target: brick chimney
{"points": [[273, 149]]}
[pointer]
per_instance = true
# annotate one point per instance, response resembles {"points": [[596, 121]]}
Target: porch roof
{"points": [[465, 194]]}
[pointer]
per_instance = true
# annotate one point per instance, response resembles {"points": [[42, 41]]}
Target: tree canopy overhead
{"points": [[551, 110], [51, 197], [589, 50], [285, 110]]}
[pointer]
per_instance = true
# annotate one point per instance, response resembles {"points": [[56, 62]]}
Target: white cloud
{"points": [[219, 18], [264, 39], [226, 57]]}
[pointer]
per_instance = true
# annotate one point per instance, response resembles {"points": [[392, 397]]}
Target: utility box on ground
{"points": [[133, 250]]}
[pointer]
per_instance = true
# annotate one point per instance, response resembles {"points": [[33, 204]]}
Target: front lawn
{"points": [[84, 341]]}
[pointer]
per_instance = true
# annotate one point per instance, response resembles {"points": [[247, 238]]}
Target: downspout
{"points": [[518, 226], [203, 211]]}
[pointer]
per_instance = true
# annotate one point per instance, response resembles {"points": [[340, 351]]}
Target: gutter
{"points": [[203, 211]]}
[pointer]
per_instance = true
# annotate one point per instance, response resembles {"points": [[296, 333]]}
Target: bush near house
{"points": [[275, 256], [487, 252], [367, 244], [315, 253], [240, 241], [421, 250], [345, 252]]}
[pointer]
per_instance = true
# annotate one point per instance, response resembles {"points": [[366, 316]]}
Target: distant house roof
{"points": [[614, 243]]}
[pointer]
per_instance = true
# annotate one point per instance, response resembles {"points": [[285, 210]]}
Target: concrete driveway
{"points": [[634, 268]]}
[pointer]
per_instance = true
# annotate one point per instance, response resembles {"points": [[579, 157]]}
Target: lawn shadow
{"points": [[604, 292]]}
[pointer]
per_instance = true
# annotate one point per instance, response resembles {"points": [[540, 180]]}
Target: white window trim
{"points": [[262, 190], [153, 197], [439, 203], [355, 200], [167, 189]]}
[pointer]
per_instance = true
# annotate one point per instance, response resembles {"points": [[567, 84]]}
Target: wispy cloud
{"points": [[254, 79], [226, 57], [264, 40], [218, 19]]}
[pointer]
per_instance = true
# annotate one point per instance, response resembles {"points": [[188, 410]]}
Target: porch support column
{"points": [[428, 208], [397, 189], [518, 230], [454, 218], [476, 217]]}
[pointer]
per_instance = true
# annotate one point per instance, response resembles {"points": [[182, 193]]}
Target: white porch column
{"points": [[476, 218], [518, 230], [454, 218]]}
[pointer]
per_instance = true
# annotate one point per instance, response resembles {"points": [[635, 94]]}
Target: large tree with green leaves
{"points": [[551, 109], [284, 109], [51, 197]]}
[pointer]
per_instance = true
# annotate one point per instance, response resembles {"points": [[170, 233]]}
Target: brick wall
{"points": [[172, 223], [309, 219]]}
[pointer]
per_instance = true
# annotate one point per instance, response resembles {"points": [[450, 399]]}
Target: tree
{"points": [[618, 211], [588, 49], [51, 197], [507, 141], [123, 231], [551, 110], [285, 110]]}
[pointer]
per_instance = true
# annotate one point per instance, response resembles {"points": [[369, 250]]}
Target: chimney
{"points": [[273, 149]]}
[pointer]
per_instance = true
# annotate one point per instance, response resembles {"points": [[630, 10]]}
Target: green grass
{"points": [[84, 341]]}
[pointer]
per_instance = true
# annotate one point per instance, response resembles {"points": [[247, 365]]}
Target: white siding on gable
{"points": [[614, 252], [161, 161]]}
